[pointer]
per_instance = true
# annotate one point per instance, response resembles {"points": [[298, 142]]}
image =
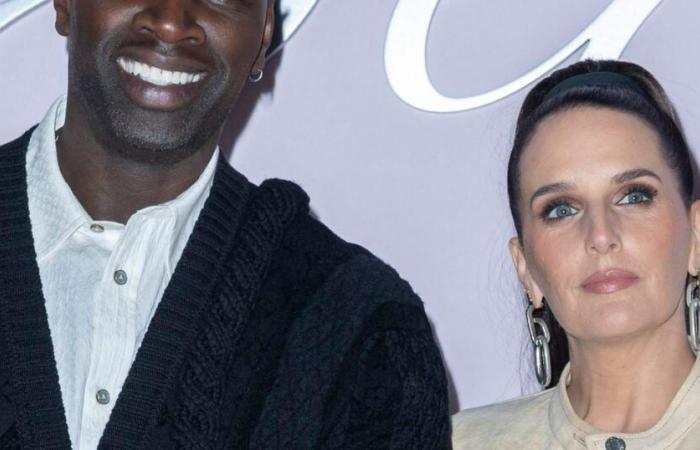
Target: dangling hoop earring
{"points": [[256, 76], [543, 364], [692, 303]]}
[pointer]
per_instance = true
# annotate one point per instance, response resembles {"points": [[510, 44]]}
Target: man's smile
{"points": [[165, 85], [158, 76]]}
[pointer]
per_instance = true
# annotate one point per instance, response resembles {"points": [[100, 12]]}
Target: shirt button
{"points": [[96, 228], [120, 277], [102, 396], [615, 443]]}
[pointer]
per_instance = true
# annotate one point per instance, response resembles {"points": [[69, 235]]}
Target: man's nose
{"points": [[171, 21]]}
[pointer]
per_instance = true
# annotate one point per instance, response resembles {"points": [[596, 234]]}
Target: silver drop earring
{"points": [[692, 303], [543, 364]]}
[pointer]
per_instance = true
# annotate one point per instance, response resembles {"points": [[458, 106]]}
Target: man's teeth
{"points": [[157, 76]]}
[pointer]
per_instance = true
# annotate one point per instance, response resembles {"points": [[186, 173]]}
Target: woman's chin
{"points": [[618, 321]]}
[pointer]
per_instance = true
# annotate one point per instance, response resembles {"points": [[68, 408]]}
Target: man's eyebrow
{"points": [[633, 174], [549, 188]]}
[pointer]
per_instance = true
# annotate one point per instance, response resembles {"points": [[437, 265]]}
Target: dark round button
{"points": [[615, 443], [102, 396], [120, 277]]}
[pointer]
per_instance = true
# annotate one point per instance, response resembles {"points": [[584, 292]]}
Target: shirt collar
{"points": [[53, 209], [678, 418], [56, 213]]}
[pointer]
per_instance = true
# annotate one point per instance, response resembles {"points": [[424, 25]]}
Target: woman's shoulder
{"points": [[514, 422]]}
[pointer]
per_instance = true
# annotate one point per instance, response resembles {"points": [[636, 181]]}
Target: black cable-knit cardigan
{"points": [[272, 334]]}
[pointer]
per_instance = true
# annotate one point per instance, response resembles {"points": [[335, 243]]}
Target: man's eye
{"points": [[558, 212]]}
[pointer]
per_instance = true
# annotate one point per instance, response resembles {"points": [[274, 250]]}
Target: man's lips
{"points": [[159, 88], [157, 75], [609, 281]]}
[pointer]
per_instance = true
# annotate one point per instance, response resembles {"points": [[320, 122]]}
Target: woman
{"points": [[608, 250]]}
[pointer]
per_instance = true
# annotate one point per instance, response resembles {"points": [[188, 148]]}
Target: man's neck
{"points": [[112, 187]]}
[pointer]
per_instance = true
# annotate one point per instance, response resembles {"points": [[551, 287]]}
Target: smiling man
{"points": [[153, 298]]}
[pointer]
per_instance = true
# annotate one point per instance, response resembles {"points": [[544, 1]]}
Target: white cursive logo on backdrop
{"points": [[406, 44], [293, 11]]}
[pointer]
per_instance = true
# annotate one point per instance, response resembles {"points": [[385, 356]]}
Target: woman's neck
{"points": [[627, 386]]}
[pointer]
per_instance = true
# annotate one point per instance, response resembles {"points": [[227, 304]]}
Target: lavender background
{"points": [[424, 191]]}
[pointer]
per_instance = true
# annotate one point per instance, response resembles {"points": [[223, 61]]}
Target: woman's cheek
{"points": [[556, 260], [660, 238]]}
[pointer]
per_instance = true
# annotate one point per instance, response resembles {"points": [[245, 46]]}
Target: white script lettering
{"points": [[406, 44]]}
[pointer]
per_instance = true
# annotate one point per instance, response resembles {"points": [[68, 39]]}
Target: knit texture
{"points": [[273, 333]]}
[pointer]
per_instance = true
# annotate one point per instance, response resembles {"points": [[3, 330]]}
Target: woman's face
{"points": [[606, 237]]}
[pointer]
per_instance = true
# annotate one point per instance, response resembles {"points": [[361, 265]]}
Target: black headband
{"points": [[597, 79]]}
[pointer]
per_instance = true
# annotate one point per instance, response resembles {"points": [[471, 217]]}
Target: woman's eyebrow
{"points": [[633, 174], [618, 179], [549, 188]]}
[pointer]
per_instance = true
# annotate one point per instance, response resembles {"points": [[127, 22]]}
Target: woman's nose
{"points": [[602, 234]]}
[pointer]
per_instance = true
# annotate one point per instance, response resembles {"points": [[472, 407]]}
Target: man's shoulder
{"points": [[18, 143], [312, 240], [331, 274], [337, 264], [316, 266], [308, 247]]}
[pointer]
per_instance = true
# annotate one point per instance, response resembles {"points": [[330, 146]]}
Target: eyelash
{"points": [[647, 191], [551, 206]]}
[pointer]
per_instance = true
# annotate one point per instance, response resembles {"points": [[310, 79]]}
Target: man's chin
{"points": [[155, 143], [147, 135]]}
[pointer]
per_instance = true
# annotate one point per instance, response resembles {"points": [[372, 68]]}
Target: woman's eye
{"points": [[560, 212], [634, 198]]}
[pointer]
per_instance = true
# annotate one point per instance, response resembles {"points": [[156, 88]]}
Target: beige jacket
{"points": [[547, 421]]}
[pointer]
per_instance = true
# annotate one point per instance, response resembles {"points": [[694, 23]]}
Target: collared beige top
{"points": [[547, 421]]}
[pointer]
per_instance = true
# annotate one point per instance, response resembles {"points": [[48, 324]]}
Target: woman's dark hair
{"points": [[618, 85]]}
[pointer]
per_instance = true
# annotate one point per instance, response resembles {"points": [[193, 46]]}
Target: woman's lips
{"points": [[609, 281]]}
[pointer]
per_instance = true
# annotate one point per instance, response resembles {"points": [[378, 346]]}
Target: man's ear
{"points": [[533, 290], [62, 16], [694, 257], [268, 33]]}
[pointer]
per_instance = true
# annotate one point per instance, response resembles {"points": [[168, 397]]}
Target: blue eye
{"points": [[560, 211], [636, 196]]}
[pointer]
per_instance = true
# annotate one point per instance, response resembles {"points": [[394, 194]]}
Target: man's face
{"points": [[156, 78]]}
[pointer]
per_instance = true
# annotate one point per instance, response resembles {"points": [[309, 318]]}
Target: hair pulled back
{"points": [[641, 95]]}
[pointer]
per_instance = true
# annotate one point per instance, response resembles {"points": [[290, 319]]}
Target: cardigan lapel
{"points": [[235, 237], [203, 391], [184, 299], [26, 350]]}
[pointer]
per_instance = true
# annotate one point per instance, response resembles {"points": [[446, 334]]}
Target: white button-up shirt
{"points": [[102, 281]]}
